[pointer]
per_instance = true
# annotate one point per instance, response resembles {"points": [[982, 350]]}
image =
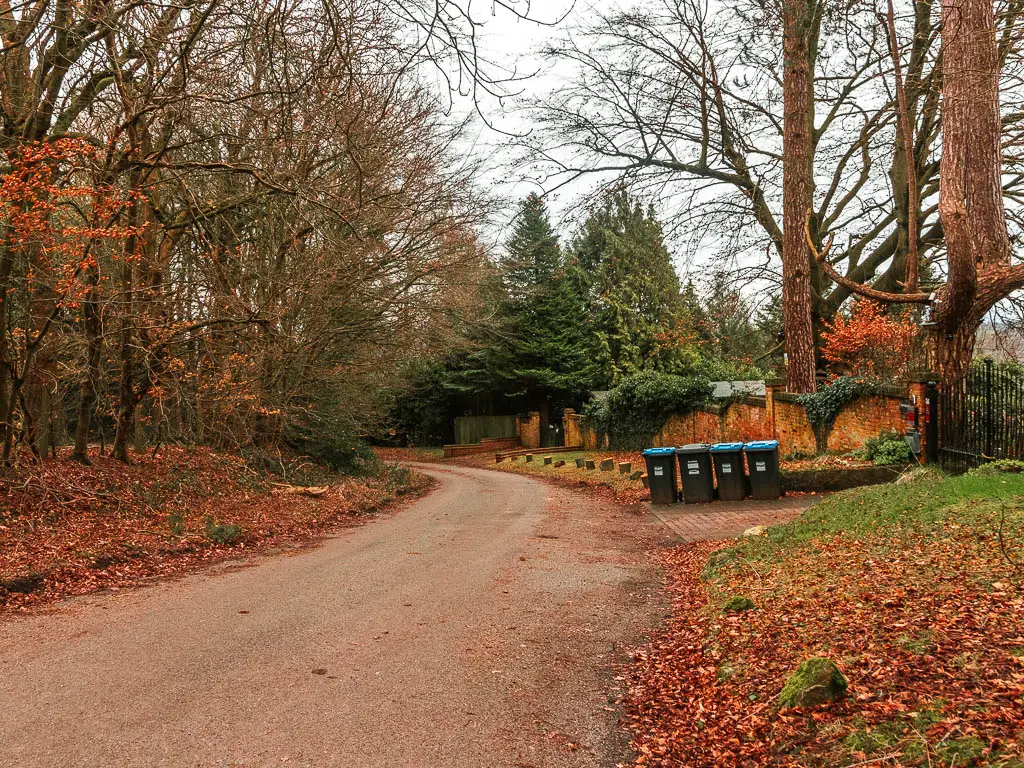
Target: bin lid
{"points": [[727, 447], [659, 451], [762, 445], [694, 448]]}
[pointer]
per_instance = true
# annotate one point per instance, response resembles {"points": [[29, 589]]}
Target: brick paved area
{"points": [[727, 519]]}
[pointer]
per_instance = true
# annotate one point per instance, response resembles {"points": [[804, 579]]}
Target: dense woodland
{"points": [[254, 225], [223, 222]]}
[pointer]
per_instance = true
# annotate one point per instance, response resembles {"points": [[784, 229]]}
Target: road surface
{"points": [[479, 627]]}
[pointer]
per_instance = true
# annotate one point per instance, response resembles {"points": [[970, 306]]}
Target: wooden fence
{"points": [[473, 429]]}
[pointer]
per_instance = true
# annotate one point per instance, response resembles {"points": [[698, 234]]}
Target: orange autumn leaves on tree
{"points": [[52, 215], [870, 342]]}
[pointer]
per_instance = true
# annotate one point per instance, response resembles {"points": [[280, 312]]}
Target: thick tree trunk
{"points": [[798, 190], [953, 352], [970, 193]]}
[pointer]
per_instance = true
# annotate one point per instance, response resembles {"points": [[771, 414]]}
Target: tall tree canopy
{"points": [[225, 221], [688, 98], [636, 305]]}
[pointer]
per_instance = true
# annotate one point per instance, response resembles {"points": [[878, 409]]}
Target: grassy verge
{"points": [[616, 486], [913, 590], [66, 529]]}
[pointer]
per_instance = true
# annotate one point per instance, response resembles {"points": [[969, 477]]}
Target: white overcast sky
{"points": [[513, 44]]}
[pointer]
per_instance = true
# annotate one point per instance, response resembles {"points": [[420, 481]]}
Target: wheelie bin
{"points": [[763, 460], [661, 474], [695, 471], [732, 479]]}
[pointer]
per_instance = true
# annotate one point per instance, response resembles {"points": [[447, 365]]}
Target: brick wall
{"points": [[747, 421], [791, 428], [487, 445], [707, 426], [863, 419], [777, 416]]}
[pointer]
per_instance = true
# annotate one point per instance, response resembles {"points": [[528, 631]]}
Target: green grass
{"points": [[891, 511]]}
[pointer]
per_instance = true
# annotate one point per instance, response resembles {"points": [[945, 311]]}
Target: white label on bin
{"points": [[693, 466], [694, 471], [659, 471], [759, 466], [726, 469]]}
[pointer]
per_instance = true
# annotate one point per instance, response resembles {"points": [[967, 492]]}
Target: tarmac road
{"points": [[481, 626]]}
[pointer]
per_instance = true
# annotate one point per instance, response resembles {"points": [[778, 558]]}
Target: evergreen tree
{"points": [[540, 346], [638, 312], [533, 257]]}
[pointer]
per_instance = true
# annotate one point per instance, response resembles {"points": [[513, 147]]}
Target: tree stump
{"points": [[581, 463], [625, 467], [559, 463], [547, 459], [637, 474], [529, 457], [607, 465], [591, 464], [643, 479]]}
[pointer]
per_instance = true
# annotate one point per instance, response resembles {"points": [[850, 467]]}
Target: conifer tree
{"points": [[540, 347], [636, 305]]}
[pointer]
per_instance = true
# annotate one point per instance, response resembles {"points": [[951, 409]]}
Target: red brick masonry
{"points": [[728, 519], [780, 416]]}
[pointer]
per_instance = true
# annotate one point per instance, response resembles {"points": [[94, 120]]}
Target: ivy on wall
{"points": [[824, 406], [636, 409]]}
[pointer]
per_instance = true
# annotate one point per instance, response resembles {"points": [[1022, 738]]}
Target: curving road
{"points": [[479, 627]]}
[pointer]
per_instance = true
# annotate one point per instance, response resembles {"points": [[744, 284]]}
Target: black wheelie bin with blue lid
{"points": [[696, 473], [732, 479], [661, 474], [763, 460]]}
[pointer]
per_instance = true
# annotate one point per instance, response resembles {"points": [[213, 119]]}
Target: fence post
{"points": [[931, 426]]}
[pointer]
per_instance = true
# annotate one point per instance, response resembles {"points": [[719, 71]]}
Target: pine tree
{"points": [[638, 313], [540, 346], [533, 257]]}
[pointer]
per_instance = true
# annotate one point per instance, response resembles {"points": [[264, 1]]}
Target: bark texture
{"points": [[799, 42], [970, 194]]}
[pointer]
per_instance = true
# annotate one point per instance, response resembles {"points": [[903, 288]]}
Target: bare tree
{"points": [[693, 103]]}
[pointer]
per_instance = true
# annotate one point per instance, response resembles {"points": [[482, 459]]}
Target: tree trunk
{"points": [[6, 368], [970, 192], [94, 353], [953, 352], [799, 21], [126, 388]]}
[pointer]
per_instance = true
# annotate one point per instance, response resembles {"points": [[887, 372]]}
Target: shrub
{"points": [[327, 433], [637, 408], [225, 535], [823, 406], [999, 467], [888, 448], [872, 341]]}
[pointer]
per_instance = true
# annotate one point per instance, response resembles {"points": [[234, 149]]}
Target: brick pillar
{"points": [[916, 390], [529, 430], [571, 428], [771, 388]]}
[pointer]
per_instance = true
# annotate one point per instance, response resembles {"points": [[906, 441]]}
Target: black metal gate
{"points": [[980, 418]]}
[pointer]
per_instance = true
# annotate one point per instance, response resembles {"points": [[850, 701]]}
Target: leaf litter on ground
{"points": [[908, 589], [67, 529]]}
